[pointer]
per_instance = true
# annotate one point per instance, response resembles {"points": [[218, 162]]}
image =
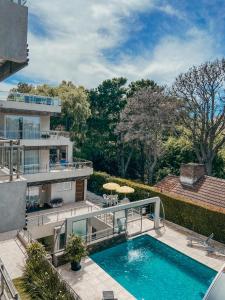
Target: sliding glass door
{"points": [[22, 127]]}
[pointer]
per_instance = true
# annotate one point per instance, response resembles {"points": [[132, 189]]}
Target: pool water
{"points": [[149, 269]]}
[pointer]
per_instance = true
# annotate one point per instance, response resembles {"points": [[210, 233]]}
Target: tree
{"points": [[202, 109], [147, 114], [23, 88], [75, 106], [106, 102], [137, 85]]}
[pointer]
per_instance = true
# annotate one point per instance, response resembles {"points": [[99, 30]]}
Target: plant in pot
{"points": [[75, 251]]}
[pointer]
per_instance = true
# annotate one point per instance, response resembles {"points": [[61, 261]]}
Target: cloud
{"points": [[79, 31]]}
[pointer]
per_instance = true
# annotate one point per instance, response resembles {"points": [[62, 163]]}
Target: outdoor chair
{"points": [[205, 242], [108, 295]]}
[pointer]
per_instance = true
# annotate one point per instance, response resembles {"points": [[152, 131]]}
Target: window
{"points": [[31, 161], [64, 186], [22, 127]]}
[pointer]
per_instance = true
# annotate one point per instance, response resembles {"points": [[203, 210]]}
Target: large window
{"points": [[31, 161], [22, 127]]}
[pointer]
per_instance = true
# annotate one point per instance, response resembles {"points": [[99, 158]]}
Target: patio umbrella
{"points": [[125, 190], [111, 186]]}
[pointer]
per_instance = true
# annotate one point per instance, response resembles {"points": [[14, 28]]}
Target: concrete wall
{"points": [[13, 31], [57, 191], [12, 205]]}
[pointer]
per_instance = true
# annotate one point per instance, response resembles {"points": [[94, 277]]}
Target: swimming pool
{"points": [[149, 269]]}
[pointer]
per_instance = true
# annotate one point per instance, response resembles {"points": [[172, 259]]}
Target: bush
{"points": [[40, 279], [183, 212]]}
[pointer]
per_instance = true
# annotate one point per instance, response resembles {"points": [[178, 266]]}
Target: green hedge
{"points": [[178, 211]]}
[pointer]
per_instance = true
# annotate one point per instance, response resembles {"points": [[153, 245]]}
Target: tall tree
{"points": [[106, 101], [147, 113], [202, 108]]}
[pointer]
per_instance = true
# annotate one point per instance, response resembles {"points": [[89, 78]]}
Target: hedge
{"points": [[184, 212]]}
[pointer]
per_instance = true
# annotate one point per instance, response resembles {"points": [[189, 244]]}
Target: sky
{"points": [[88, 41]]}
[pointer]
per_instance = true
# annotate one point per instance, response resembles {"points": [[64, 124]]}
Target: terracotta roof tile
{"points": [[210, 190]]}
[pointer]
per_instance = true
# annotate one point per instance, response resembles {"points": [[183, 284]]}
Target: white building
{"points": [[45, 159]]}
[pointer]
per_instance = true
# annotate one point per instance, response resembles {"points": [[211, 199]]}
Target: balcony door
{"points": [[79, 190], [22, 127]]}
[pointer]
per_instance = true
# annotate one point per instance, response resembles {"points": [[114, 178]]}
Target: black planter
{"points": [[75, 266]]}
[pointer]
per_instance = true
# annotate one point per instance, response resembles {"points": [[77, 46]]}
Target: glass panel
{"points": [[80, 228], [31, 127], [32, 198], [22, 127], [31, 161], [13, 127], [119, 221]]}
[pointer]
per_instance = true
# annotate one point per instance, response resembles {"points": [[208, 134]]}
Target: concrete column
{"points": [[157, 214]]}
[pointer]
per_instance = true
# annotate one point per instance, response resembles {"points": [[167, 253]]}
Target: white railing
{"points": [[56, 216], [27, 98]]}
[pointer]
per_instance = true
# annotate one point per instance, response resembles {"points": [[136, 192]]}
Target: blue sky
{"points": [[87, 41]]}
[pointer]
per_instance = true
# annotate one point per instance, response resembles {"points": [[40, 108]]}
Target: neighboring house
{"points": [[194, 184]]}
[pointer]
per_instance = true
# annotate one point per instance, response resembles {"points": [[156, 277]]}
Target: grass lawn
{"points": [[19, 286]]}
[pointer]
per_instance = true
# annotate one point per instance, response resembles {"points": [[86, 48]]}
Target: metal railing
{"points": [[63, 166], [60, 215], [7, 288], [27, 98], [33, 134]]}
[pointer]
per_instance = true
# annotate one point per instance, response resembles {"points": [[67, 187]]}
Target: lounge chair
{"points": [[108, 295], [192, 240]]}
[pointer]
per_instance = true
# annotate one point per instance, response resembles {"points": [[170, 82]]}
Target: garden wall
{"points": [[184, 212]]}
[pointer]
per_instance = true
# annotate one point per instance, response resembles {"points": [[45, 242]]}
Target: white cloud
{"points": [[6, 87], [81, 29]]}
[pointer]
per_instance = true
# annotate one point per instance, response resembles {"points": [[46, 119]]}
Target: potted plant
{"points": [[75, 251]]}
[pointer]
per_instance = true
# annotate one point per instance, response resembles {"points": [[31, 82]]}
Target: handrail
{"points": [[29, 98], [41, 218], [6, 280]]}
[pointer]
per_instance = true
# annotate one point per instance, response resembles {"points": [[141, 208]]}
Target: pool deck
{"points": [[91, 280]]}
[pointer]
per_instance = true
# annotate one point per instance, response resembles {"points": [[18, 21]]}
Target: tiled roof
{"points": [[210, 190]]}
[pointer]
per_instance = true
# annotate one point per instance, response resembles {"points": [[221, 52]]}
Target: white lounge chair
{"points": [[192, 240]]}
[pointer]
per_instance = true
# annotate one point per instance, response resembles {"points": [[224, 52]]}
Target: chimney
{"points": [[191, 173]]}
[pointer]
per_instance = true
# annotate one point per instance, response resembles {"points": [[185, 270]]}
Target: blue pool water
{"points": [[149, 269]]}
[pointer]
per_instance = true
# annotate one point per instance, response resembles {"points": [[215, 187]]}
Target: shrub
{"points": [[183, 212], [40, 279], [75, 249]]}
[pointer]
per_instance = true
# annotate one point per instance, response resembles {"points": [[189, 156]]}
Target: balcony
{"points": [[56, 172], [14, 102]]}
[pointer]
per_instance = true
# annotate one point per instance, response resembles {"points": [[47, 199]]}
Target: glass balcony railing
{"points": [[27, 98], [62, 166], [33, 134]]}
